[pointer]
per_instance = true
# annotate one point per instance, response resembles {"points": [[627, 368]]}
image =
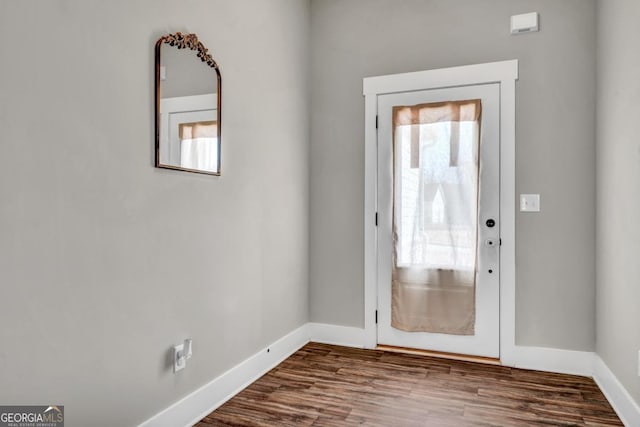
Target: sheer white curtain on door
{"points": [[436, 173]]}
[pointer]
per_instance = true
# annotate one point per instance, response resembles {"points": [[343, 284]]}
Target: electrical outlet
{"points": [[639, 363], [181, 353], [179, 361]]}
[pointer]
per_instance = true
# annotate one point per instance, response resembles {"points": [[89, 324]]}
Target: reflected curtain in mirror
{"points": [[435, 216], [199, 145]]}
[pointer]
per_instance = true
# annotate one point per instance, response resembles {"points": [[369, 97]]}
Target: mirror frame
{"points": [[187, 41]]}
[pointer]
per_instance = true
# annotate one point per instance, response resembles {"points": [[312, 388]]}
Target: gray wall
{"points": [[618, 176], [105, 261], [555, 144]]}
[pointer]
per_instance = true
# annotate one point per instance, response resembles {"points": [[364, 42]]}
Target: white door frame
{"points": [[505, 73]]}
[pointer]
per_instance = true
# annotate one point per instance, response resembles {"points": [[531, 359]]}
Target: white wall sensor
{"points": [[525, 23]]}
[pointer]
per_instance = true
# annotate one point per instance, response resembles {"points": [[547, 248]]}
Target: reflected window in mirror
{"points": [[188, 104]]}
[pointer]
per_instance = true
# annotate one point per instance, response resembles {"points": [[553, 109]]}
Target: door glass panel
{"points": [[435, 217]]}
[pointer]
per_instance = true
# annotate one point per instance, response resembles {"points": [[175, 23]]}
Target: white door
{"points": [[438, 220]]}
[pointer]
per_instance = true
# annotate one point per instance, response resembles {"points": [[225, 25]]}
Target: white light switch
{"points": [[529, 203], [163, 73]]}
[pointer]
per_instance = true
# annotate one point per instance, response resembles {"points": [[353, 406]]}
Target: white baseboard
{"points": [[553, 360], [192, 408], [347, 336], [618, 396]]}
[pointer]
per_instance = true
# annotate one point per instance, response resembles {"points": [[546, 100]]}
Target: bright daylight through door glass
{"points": [[437, 201]]}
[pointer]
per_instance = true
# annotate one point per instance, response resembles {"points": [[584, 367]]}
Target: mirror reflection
{"points": [[187, 105]]}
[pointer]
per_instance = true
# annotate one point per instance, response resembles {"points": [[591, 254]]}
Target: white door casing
{"points": [[504, 73]]}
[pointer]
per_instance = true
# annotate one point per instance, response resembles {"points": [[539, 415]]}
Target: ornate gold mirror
{"points": [[188, 105]]}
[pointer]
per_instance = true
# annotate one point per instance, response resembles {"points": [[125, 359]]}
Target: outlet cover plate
{"points": [[179, 363]]}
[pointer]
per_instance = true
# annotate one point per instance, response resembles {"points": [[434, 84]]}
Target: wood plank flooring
{"points": [[324, 385]]}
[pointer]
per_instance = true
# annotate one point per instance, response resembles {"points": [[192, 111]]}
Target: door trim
{"points": [[505, 73]]}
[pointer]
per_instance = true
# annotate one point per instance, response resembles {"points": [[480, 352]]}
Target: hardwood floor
{"points": [[324, 385]]}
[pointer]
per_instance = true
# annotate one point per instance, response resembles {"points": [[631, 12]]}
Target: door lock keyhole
{"points": [[491, 223]]}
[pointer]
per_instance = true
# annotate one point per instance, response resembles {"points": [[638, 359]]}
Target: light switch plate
{"points": [[529, 203]]}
